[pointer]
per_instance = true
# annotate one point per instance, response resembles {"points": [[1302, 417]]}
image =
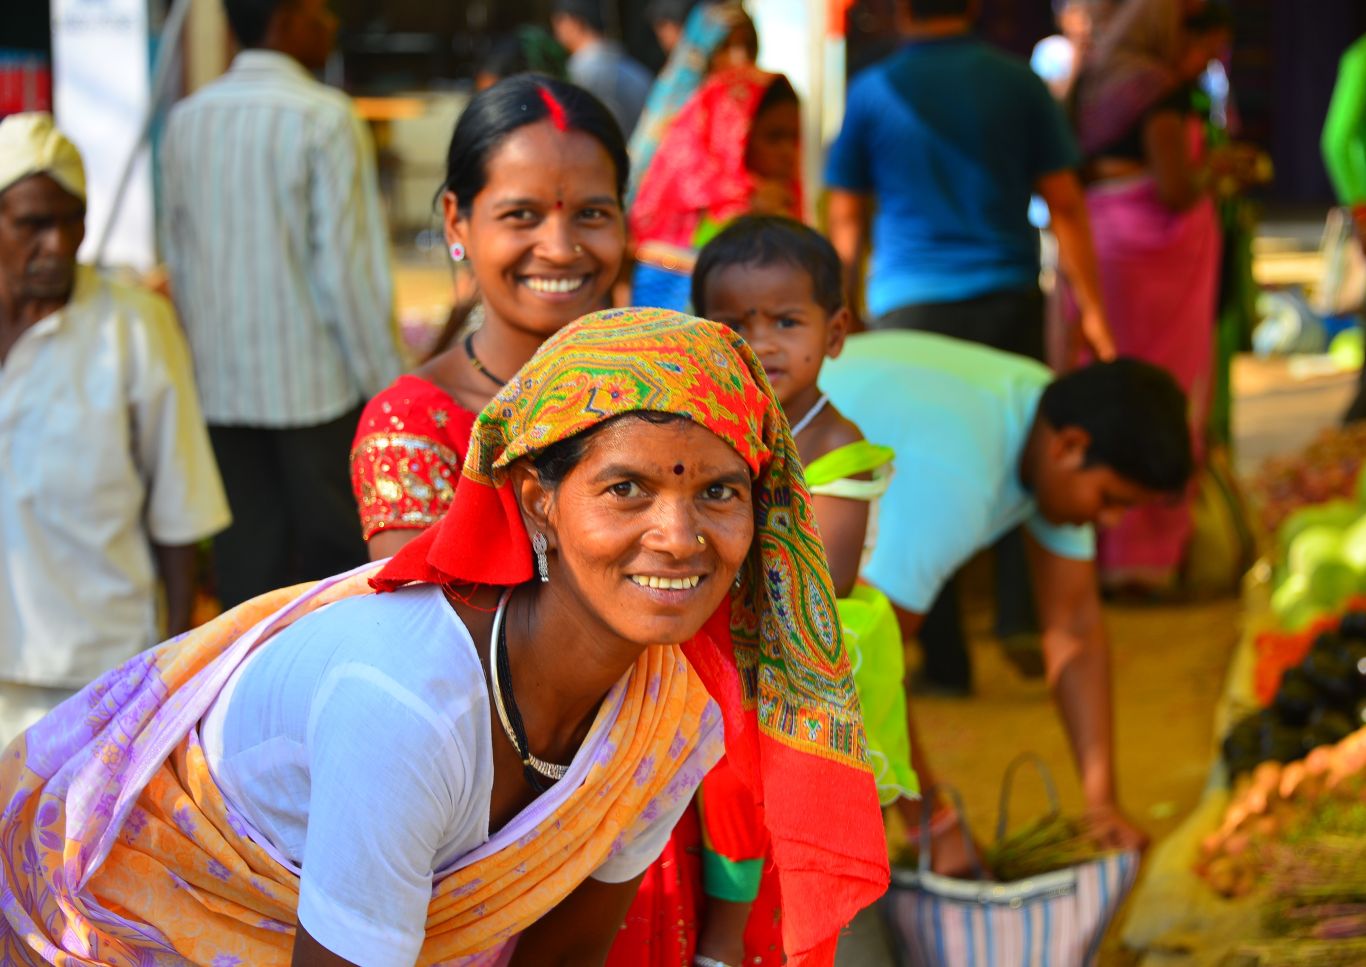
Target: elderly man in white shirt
{"points": [[279, 258], [107, 480]]}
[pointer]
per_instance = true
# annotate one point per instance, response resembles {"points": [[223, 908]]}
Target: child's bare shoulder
{"points": [[838, 432]]}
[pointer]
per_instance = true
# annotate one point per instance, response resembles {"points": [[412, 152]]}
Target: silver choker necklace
{"points": [[536, 770], [811, 414]]}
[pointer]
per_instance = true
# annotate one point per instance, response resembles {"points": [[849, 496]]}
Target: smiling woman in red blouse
{"points": [[532, 197]]}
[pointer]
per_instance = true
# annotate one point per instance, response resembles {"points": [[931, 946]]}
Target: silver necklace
{"points": [[512, 720], [811, 414]]}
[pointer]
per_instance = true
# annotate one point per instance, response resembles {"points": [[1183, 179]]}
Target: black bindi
{"points": [[678, 469]]}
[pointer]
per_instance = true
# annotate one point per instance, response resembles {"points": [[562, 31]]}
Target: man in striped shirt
{"points": [[279, 262]]}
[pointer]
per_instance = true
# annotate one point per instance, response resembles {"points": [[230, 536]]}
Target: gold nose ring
{"points": [[702, 540], [578, 249]]}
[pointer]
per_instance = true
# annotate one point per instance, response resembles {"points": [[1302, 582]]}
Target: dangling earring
{"points": [[539, 545], [457, 252]]}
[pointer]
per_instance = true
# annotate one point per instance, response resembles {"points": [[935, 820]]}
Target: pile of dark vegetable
{"points": [[1318, 703]]}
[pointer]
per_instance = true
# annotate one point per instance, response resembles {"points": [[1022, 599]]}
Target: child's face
{"points": [[774, 308], [774, 150]]}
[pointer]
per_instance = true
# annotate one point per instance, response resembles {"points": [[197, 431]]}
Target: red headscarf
{"points": [[772, 656], [699, 170]]}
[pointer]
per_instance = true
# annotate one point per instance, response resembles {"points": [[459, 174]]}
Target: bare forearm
{"points": [[843, 524], [1080, 680], [309, 953], [722, 934], [1179, 178], [911, 809], [917, 811], [849, 236], [580, 930], [176, 568], [524, 956], [1077, 255]]}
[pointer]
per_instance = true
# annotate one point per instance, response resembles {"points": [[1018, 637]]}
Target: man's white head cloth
{"points": [[30, 144]]}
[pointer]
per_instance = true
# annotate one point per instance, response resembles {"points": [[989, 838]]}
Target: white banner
{"points": [[101, 83]]}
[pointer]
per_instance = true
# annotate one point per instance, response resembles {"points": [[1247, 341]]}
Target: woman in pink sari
{"points": [[1156, 236]]}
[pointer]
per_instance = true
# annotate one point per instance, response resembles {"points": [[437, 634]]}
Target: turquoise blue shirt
{"points": [[958, 416], [949, 137]]}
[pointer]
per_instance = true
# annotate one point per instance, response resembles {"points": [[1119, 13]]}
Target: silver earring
{"points": [[540, 546]]}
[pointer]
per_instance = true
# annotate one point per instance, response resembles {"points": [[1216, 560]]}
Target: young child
{"points": [[778, 284]]}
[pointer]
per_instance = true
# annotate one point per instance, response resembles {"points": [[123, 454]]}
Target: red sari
{"points": [[699, 174], [407, 455]]}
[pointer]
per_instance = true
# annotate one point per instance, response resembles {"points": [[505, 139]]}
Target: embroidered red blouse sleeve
{"points": [[407, 454]]}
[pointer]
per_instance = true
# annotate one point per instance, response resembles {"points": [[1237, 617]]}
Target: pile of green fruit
{"points": [[1318, 703], [1322, 561]]}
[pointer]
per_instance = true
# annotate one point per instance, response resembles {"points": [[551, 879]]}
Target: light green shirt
{"points": [[958, 416]]}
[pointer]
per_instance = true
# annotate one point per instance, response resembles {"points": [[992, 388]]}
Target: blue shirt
{"points": [[950, 137], [958, 416]]}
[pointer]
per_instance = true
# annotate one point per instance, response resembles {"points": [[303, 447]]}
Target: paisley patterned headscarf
{"points": [[772, 656]]}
